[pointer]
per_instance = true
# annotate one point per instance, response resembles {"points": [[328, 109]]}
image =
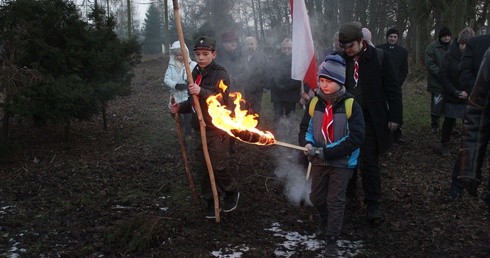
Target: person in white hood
{"points": [[176, 80]]}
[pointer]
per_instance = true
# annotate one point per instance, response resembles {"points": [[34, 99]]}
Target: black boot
{"points": [[331, 249]]}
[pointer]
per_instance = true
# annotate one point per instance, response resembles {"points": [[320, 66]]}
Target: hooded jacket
{"points": [[176, 73], [349, 132], [434, 53]]}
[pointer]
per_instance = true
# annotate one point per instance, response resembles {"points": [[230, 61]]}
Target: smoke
{"points": [[289, 165]]}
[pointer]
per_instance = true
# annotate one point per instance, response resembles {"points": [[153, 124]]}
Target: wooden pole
{"points": [[184, 155], [289, 145], [195, 98], [308, 170]]}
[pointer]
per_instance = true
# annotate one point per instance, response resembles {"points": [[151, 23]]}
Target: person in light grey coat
{"points": [[176, 79]]}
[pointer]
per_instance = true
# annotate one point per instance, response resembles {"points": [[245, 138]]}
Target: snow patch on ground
{"points": [[230, 252], [294, 242]]}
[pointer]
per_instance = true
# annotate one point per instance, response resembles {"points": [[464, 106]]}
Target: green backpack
{"points": [[348, 106]]}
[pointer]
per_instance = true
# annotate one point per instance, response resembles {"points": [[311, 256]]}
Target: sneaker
{"points": [[373, 212], [332, 249], [231, 201], [209, 213]]}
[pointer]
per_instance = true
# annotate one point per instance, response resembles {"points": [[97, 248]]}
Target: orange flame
{"points": [[241, 125]]}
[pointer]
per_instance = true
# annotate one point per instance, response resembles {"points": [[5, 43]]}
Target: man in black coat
{"points": [[254, 75], [469, 67], [399, 56], [471, 60], [476, 133], [375, 86]]}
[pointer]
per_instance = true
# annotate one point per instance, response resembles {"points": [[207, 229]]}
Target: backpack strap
{"points": [[311, 108], [348, 102]]}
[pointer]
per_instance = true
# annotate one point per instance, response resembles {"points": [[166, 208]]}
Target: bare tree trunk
{"points": [[165, 26], [104, 115], [6, 124], [130, 25], [261, 22]]}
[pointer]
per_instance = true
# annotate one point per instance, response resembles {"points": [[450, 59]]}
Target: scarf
{"points": [[327, 122]]}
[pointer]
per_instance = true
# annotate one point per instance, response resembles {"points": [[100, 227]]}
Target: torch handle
{"points": [[308, 170], [285, 144]]}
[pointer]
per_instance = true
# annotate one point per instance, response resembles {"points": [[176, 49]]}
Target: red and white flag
{"points": [[304, 62]]}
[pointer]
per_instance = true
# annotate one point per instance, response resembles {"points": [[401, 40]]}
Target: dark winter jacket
{"points": [[471, 60], [256, 77], [381, 92], [434, 53], [233, 62], [399, 57], [449, 75], [211, 76], [476, 129], [349, 132], [284, 88]]}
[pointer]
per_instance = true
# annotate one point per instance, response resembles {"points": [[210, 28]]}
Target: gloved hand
{"points": [[392, 126], [313, 151], [319, 152], [310, 150], [181, 86]]}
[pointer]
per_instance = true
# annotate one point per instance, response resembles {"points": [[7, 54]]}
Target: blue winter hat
{"points": [[333, 68]]}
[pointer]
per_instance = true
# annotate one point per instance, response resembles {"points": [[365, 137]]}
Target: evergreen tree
{"points": [[153, 31], [68, 69]]}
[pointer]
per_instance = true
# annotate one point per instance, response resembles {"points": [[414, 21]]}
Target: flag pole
{"points": [[195, 98]]}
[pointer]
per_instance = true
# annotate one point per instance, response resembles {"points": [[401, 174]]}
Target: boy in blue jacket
{"points": [[333, 129]]}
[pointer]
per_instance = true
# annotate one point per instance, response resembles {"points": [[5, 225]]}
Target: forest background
{"points": [[119, 189]]}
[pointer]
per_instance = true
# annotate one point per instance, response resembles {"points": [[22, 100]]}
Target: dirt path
{"points": [[124, 193]]}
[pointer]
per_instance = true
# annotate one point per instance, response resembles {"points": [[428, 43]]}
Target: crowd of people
{"points": [[353, 116]]}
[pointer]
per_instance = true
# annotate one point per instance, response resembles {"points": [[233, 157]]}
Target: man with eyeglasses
{"points": [[372, 80]]}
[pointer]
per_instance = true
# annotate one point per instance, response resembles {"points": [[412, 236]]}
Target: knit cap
{"points": [[333, 68], [392, 31], [366, 34], [444, 31], [349, 32], [465, 35]]}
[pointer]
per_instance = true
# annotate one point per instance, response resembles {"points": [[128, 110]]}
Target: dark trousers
{"points": [[447, 129], [328, 188], [369, 165], [457, 186], [436, 109], [185, 124], [218, 153]]}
